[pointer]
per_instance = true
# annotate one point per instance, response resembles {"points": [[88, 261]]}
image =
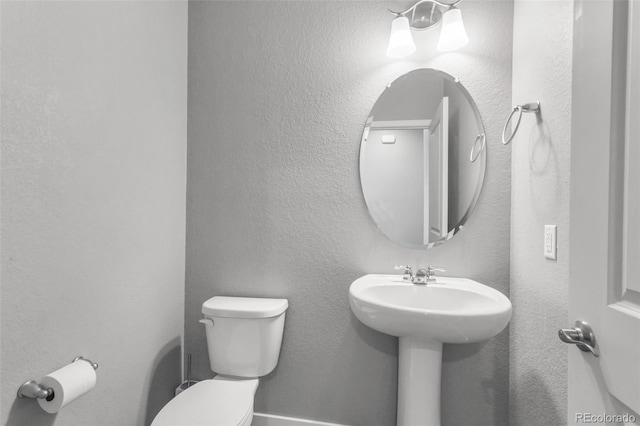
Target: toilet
{"points": [[244, 335]]}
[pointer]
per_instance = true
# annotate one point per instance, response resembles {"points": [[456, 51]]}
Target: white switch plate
{"points": [[550, 244]]}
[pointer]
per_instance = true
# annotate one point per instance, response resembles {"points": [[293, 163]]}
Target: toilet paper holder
{"points": [[32, 389]]}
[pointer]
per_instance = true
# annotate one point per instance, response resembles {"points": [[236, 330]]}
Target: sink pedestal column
{"points": [[419, 367]]}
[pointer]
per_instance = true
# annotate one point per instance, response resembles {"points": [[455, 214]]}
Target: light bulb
{"points": [[453, 35], [400, 41]]}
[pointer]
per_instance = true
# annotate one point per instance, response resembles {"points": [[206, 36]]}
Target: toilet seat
{"points": [[215, 402]]}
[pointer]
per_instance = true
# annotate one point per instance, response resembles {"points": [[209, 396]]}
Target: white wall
{"points": [[279, 93], [542, 65], [93, 203]]}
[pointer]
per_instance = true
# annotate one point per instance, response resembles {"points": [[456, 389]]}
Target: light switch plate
{"points": [[550, 244]]}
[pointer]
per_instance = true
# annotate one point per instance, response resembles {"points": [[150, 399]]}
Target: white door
{"points": [[604, 272], [437, 166]]}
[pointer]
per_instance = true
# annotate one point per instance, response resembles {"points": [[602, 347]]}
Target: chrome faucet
{"points": [[422, 276], [426, 276]]}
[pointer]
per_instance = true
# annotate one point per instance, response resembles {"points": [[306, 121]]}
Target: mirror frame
{"points": [[482, 158]]}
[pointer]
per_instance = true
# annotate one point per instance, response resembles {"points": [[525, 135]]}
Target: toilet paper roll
{"points": [[68, 383]]}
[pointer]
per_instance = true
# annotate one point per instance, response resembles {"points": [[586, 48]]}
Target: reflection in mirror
{"points": [[422, 158]]}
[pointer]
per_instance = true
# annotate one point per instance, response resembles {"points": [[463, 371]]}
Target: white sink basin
{"points": [[424, 316], [451, 310]]}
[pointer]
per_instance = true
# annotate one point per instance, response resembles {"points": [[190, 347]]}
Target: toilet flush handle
{"points": [[208, 322]]}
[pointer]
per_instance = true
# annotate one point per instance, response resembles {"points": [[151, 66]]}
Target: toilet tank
{"points": [[244, 334]]}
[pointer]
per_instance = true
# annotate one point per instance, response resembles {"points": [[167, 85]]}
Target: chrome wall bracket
{"points": [[32, 389], [93, 364]]}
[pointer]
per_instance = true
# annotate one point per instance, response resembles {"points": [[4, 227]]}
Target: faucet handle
{"points": [[431, 273], [408, 272]]}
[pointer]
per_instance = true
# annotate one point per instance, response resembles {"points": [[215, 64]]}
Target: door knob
{"points": [[581, 335]]}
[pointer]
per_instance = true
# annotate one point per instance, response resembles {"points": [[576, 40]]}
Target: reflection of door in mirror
{"points": [[395, 173], [437, 175]]}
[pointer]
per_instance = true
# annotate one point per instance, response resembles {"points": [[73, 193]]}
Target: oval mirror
{"points": [[422, 158]]}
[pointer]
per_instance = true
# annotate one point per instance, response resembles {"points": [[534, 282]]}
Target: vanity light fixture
{"points": [[422, 15]]}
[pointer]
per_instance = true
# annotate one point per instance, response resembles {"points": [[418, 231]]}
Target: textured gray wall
{"points": [[278, 96], [540, 188], [93, 203]]}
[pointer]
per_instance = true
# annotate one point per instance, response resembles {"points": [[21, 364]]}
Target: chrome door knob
{"points": [[581, 335]]}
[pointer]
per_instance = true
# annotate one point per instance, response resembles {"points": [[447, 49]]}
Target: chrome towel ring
{"points": [[531, 107], [473, 157]]}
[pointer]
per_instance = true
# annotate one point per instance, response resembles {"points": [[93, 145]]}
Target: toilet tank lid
{"points": [[244, 307]]}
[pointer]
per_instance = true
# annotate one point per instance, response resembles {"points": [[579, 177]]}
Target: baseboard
{"points": [[260, 419]]}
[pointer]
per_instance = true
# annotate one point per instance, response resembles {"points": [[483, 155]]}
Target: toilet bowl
{"points": [[217, 401], [244, 336]]}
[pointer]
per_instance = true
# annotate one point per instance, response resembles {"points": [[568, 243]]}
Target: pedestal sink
{"points": [[424, 316]]}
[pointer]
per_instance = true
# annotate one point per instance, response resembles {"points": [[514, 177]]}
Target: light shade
{"points": [[400, 42], [453, 35]]}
